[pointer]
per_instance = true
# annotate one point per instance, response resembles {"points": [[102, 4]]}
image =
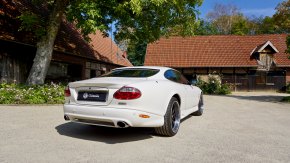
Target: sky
{"points": [[249, 8]]}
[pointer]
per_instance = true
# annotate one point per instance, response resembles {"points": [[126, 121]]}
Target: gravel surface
{"points": [[243, 127]]}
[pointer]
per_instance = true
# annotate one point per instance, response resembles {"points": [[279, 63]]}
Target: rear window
{"points": [[134, 73]]}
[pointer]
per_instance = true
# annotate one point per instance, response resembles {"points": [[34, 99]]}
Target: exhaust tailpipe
{"points": [[122, 124], [66, 117]]}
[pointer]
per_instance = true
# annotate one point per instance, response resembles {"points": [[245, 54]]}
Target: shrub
{"points": [[224, 89], [39, 94], [286, 99], [288, 88], [213, 86]]}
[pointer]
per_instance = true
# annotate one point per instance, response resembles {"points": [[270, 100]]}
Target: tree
{"points": [[222, 17], [136, 52], [262, 25], [205, 28], [240, 25], [147, 19], [282, 20], [282, 16], [45, 44], [227, 19], [278, 23]]}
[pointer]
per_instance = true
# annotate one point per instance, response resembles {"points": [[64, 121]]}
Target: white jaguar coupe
{"points": [[157, 97]]}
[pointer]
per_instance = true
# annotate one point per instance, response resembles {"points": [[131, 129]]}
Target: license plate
{"points": [[92, 96]]}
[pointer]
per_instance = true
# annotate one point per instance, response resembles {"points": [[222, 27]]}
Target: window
{"points": [[57, 69], [175, 76], [170, 75], [137, 73]]}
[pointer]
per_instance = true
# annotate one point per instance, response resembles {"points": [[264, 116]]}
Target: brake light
{"points": [[67, 92], [127, 93]]}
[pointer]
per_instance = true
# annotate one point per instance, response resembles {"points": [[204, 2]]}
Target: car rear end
{"points": [[109, 101]]}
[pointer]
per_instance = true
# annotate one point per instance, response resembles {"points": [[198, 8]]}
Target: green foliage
{"points": [[32, 23], [267, 26], [223, 17], [227, 19], [206, 28], [224, 89], [136, 53], [142, 23], [286, 99], [146, 19], [240, 26], [156, 18], [288, 88], [135, 20], [38, 94], [213, 86], [282, 16]]}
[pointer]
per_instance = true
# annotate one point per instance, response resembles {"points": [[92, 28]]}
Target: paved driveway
{"points": [[244, 127]]}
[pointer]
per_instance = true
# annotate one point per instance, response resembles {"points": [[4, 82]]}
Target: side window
{"points": [[175, 76], [170, 75], [180, 78]]}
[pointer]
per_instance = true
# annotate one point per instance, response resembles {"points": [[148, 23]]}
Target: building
{"points": [[73, 57], [248, 63]]}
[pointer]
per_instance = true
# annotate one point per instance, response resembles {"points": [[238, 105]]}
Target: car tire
{"points": [[171, 119], [199, 112]]}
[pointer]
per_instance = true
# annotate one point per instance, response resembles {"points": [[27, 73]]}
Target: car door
{"points": [[192, 95], [190, 91], [175, 76]]}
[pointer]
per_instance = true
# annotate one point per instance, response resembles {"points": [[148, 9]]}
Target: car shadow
{"points": [[260, 98], [106, 135], [257, 97]]}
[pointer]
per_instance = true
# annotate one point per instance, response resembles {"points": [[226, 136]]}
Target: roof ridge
{"points": [[282, 34]]}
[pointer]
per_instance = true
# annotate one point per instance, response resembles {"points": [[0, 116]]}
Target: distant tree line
{"points": [[228, 19]]}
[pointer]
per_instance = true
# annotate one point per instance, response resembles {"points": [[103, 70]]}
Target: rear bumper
{"points": [[107, 116]]}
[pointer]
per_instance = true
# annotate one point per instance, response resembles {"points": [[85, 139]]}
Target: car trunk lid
{"points": [[98, 91]]}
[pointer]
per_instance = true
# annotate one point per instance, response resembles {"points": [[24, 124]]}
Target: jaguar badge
{"points": [[85, 95]]}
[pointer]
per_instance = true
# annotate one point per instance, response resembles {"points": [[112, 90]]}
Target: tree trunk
{"points": [[45, 45]]}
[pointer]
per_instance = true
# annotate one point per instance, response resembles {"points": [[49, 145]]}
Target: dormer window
{"points": [[264, 54]]}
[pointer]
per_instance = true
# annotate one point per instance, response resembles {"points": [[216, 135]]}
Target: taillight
{"points": [[127, 93], [67, 92]]}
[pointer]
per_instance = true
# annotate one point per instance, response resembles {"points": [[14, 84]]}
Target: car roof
{"points": [[159, 75], [145, 67]]}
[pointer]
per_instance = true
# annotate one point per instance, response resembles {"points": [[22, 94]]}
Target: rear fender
{"points": [[171, 94]]}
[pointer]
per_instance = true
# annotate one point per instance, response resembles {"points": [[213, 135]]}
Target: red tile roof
{"points": [[99, 48], [213, 51], [107, 47], [68, 40]]}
